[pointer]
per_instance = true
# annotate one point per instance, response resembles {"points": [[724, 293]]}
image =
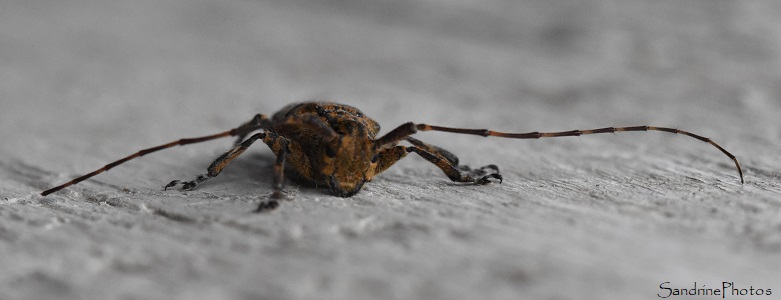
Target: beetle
{"points": [[338, 146]]}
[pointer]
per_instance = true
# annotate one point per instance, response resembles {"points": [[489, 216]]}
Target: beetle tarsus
{"points": [[494, 169], [171, 184], [187, 185], [486, 179]]}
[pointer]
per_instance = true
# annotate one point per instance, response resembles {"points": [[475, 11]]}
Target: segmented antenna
{"points": [[180, 142], [537, 135]]}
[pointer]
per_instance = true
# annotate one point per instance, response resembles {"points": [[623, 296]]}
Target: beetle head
{"points": [[348, 158]]}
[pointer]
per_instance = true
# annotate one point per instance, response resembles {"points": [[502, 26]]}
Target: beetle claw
{"points": [[486, 179], [171, 184]]}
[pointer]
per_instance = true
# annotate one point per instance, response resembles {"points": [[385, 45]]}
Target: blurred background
{"points": [[584, 56], [524, 65], [86, 82]]}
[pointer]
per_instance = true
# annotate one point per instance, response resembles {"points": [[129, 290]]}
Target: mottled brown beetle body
{"points": [[337, 145], [342, 161]]}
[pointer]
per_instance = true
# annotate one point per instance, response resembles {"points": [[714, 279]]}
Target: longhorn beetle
{"points": [[337, 145]]}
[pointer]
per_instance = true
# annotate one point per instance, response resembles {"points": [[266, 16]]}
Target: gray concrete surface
{"points": [[596, 217]]}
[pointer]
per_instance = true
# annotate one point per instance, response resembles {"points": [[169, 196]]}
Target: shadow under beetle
{"points": [[337, 145]]}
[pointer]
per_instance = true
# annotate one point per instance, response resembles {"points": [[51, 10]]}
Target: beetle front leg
{"points": [[482, 171], [453, 159], [385, 159], [221, 162], [450, 169]]}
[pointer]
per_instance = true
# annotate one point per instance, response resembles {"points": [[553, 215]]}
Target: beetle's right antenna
{"points": [[258, 122], [180, 142]]}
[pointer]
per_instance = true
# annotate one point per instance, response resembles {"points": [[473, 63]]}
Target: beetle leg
{"points": [[481, 171], [223, 160], [452, 158], [280, 147], [451, 169], [385, 159], [443, 159]]}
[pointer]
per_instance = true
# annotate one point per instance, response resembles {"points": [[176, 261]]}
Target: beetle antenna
{"points": [[407, 129], [180, 142]]}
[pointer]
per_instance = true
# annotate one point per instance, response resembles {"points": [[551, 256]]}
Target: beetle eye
{"points": [[330, 152]]}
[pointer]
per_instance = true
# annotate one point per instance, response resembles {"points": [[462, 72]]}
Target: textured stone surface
{"points": [[600, 217]]}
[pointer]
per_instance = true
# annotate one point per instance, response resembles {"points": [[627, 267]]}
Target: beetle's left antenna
{"points": [[410, 128], [181, 142]]}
